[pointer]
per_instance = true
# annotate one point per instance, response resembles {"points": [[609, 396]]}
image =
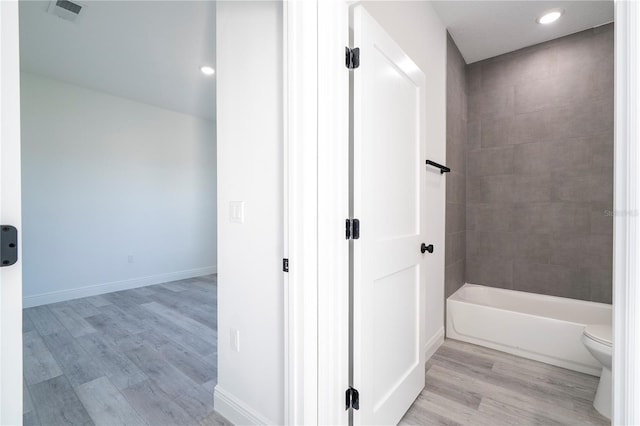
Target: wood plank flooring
{"points": [[146, 356], [471, 385]]}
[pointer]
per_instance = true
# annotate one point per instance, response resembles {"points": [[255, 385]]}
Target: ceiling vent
{"points": [[65, 9]]}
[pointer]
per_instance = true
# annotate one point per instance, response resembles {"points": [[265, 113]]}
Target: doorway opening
{"points": [[119, 190]]}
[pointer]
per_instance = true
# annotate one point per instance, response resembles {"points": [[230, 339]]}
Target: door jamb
{"points": [[316, 205], [333, 200], [626, 272], [300, 198], [10, 214]]}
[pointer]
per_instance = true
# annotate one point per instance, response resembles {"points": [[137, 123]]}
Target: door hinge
{"points": [[285, 265], [352, 229], [352, 57], [352, 399], [8, 245]]}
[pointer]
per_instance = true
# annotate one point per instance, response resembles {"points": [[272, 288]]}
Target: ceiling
{"points": [[152, 51], [483, 29], [147, 51]]}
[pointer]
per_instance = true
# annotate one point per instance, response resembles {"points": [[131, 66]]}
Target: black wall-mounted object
{"points": [[8, 245], [443, 169]]}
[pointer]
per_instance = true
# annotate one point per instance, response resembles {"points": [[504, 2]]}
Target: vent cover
{"points": [[65, 9]]}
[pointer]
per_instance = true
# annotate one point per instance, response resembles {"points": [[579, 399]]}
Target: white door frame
{"points": [[626, 269], [333, 200], [316, 206], [10, 214], [300, 198]]}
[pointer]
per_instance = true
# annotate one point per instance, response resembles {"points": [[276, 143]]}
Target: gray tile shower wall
{"points": [[539, 176], [456, 160]]}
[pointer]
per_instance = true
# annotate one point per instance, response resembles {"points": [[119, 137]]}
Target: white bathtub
{"points": [[534, 326]]}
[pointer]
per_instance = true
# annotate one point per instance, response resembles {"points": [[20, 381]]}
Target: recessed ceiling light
{"points": [[207, 70], [550, 17]]}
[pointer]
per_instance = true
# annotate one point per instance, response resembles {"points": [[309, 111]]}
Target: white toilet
{"points": [[598, 340]]}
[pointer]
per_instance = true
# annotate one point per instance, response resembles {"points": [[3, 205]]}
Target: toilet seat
{"points": [[600, 333]]}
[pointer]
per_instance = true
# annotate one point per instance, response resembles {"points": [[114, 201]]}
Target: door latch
{"points": [[8, 245]]}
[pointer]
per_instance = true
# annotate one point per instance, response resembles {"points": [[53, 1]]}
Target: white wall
{"points": [[416, 27], [250, 279], [105, 178]]}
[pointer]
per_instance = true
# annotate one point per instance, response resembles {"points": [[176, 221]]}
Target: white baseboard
{"points": [[433, 344], [234, 410], [94, 290]]}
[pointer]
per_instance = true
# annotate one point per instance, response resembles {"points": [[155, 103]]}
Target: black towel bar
{"points": [[443, 169]]}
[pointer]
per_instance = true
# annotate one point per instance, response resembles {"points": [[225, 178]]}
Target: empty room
{"points": [[119, 210]]}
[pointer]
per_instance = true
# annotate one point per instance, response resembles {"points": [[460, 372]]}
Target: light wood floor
{"points": [[148, 356], [472, 385], [134, 357]]}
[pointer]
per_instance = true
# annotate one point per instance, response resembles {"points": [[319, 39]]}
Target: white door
{"points": [[388, 184], [10, 276]]}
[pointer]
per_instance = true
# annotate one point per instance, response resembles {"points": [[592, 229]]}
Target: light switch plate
{"points": [[236, 211]]}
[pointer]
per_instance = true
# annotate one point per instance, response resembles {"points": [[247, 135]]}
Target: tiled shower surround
{"points": [[539, 175], [456, 160]]}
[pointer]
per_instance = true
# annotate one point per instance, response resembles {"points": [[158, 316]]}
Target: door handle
{"points": [[425, 247]]}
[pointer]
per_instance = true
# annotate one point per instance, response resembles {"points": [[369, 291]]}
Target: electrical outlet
{"points": [[236, 211], [235, 340], [130, 258]]}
